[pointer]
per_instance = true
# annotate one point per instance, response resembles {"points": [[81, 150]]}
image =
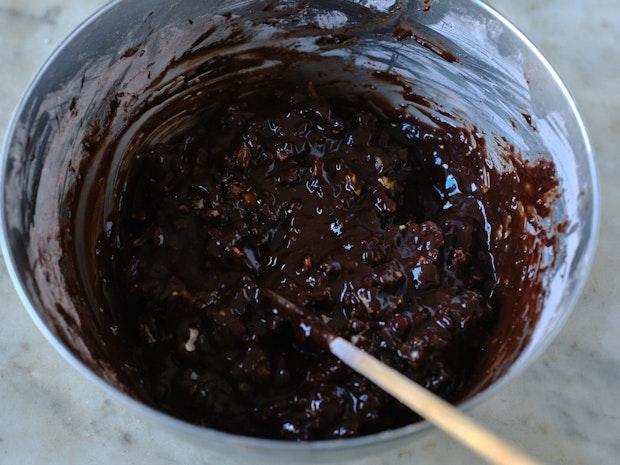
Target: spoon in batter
{"points": [[426, 404]]}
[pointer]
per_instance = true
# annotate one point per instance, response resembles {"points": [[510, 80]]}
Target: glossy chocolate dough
{"points": [[369, 219]]}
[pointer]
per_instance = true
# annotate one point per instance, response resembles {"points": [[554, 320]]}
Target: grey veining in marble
{"points": [[565, 409]]}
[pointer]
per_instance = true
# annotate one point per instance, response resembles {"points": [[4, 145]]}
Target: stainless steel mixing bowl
{"points": [[500, 76]]}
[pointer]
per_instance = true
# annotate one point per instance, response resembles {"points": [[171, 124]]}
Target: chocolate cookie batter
{"points": [[370, 220]]}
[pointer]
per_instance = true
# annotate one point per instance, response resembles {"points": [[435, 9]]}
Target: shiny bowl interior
{"points": [[499, 78]]}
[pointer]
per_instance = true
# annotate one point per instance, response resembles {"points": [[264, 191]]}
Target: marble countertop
{"points": [[565, 409]]}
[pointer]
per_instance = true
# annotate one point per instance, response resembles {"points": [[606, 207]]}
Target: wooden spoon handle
{"points": [[429, 406]]}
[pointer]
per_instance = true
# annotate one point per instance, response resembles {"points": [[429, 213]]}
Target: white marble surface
{"points": [[565, 409]]}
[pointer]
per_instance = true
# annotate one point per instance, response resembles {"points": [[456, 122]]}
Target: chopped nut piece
{"points": [[307, 263], [235, 250], [190, 345], [389, 184], [249, 198], [243, 156]]}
